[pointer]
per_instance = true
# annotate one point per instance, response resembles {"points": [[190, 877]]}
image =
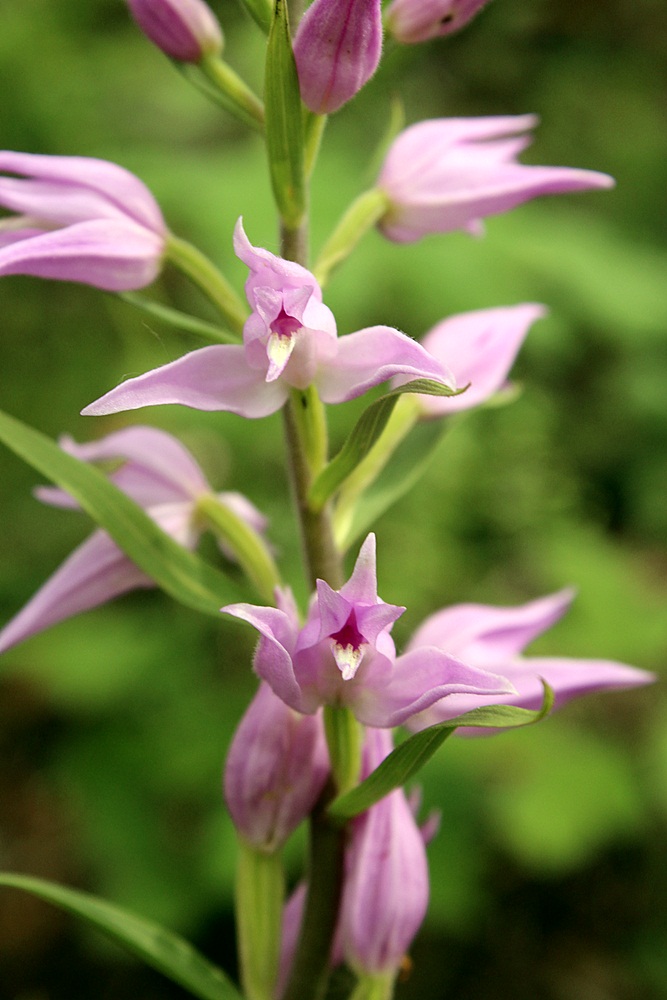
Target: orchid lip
{"points": [[348, 658]]}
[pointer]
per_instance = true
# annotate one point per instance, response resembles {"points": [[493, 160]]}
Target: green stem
{"points": [[182, 321], [361, 216], [222, 76], [377, 987], [344, 739], [260, 892], [249, 548], [212, 282], [310, 968], [322, 558]]}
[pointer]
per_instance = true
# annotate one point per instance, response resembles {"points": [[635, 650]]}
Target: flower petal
{"points": [[273, 660], [94, 573], [386, 695], [488, 636], [111, 254], [480, 347], [113, 184], [371, 356], [211, 378]]}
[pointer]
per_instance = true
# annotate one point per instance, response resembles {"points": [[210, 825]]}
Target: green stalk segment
{"points": [[249, 548], [260, 893], [212, 282]]}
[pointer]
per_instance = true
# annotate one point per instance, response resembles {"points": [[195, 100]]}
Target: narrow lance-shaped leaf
{"points": [[181, 573], [284, 121], [411, 755], [363, 436], [155, 945]]}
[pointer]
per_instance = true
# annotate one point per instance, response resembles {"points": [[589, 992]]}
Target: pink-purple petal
{"points": [[94, 573], [416, 681], [115, 185], [480, 348], [273, 660], [486, 635], [370, 357], [110, 254], [211, 378]]}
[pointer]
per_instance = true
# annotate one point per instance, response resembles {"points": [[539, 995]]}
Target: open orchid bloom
{"points": [[79, 219], [289, 341], [183, 29], [412, 21], [480, 347], [163, 478], [494, 638], [337, 50], [344, 654], [450, 173]]}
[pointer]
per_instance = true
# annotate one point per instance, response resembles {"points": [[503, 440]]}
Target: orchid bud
{"points": [[337, 49], [276, 769], [184, 29], [419, 20], [386, 881]]}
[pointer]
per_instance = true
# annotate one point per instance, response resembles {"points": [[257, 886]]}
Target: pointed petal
{"points": [[211, 378], [114, 184], [94, 573], [417, 680], [480, 348], [110, 254], [569, 678], [273, 270], [371, 356], [488, 636], [362, 586], [273, 660]]}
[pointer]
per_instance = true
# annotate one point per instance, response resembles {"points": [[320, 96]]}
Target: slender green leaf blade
{"points": [[284, 121], [363, 436], [411, 755], [181, 573], [155, 945]]}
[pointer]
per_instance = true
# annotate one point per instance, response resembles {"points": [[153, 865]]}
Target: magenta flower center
{"points": [[285, 325], [348, 647]]}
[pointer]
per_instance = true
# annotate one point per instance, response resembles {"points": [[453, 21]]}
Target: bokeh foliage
{"points": [[549, 869]]}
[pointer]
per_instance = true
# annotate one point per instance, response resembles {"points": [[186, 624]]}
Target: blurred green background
{"points": [[550, 869]]}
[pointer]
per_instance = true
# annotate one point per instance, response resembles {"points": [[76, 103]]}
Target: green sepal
{"points": [[180, 320], [411, 755], [179, 572], [261, 12], [363, 436], [284, 121], [158, 947]]}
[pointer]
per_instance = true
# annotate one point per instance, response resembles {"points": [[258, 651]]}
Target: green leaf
{"points": [[363, 436], [180, 320], [181, 573], [408, 758], [158, 947], [284, 121]]}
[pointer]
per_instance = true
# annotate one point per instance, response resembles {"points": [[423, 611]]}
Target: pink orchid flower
{"points": [[344, 654], [79, 219], [184, 29], [163, 478], [289, 342], [411, 21], [494, 638], [450, 173]]}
